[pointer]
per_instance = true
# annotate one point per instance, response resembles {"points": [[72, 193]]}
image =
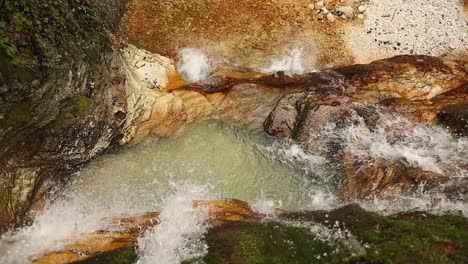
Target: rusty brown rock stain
{"points": [[243, 31]]}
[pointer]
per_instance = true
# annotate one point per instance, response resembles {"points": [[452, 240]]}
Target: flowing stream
{"points": [[213, 160], [208, 160]]}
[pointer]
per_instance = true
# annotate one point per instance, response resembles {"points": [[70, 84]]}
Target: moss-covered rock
{"points": [[56, 95], [52, 29], [19, 114], [410, 238], [425, 239], [123, 256], [268, 243]]}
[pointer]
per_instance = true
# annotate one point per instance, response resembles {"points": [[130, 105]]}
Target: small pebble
{"points": [[331, 17], [324, 10], [319, 5], [361, 16], [361, 9], [346, 10]]}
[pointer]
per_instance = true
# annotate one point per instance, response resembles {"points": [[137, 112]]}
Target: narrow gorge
{"points": [[226, 131]]}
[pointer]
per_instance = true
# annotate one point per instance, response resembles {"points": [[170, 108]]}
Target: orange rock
{"points": [[87, 247], [224, 212], [134, 224]]}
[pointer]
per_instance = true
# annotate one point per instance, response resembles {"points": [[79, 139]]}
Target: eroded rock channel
{"points": [[124, 155]]}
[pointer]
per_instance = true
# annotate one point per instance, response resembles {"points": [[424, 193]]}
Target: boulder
{"points": [[380, 178]]}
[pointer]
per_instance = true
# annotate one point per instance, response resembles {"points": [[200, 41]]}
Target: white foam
{"points": [[432, 148], [395, 138], [291, 63], [317, 174], [193, 65], [179, 235], [431, 202], [60, 220]]}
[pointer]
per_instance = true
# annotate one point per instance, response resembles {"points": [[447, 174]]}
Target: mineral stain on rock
{"points": [[387, 113]]}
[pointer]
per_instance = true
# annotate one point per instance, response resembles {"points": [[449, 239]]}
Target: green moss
{"points": [[301, 119], [415, 241], [124, 256], [295, 90], [52, 29], [79, 107], [423, 239], [267, 243], [19, 114], [82, 105], [22, 68]]}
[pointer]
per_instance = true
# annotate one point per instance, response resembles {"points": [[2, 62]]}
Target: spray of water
{"points": [[193, 65], [179, 235], [396, 138], [137, 181], [60, 220], [290, 64], [432, 148]]}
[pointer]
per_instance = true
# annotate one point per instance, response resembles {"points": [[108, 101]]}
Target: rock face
{"points": [[58, 82], [66, 126], [423, 89], [134, 93]]}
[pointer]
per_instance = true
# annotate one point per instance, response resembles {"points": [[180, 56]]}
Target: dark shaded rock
{"points": [[111, 12], [67, 121], [283, 120], [456, 118], [353, 217]]}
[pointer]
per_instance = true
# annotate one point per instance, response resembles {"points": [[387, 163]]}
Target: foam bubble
{"points": [[432, 148], [291, 64], [179, 235], [193, 65], [60, 220]]}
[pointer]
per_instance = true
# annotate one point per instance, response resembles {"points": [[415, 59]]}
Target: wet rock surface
{"points": [[145, 96], [399, 85], [239, 235], [67, 126]]}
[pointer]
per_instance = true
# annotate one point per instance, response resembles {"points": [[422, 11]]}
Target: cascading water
{"points": [[212, 160], [207, 161], [395, 138]]}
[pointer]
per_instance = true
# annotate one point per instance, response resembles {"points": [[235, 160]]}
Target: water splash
{"points": [[220, 161], [267, 173], [193, 65], [396, 138], [291, 64], [429, 147], [60, 220], [318, 175], [179, 235]]}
